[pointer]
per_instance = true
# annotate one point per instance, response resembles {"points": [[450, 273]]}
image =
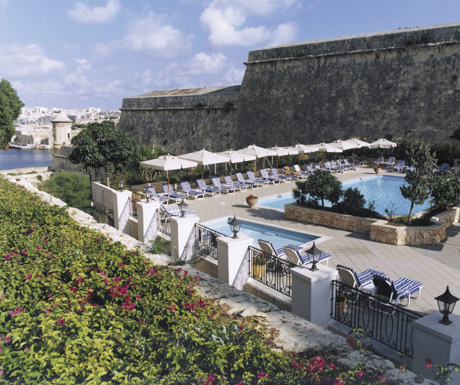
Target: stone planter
{"points": [[376, 169], [258, 271], [251, 202]]}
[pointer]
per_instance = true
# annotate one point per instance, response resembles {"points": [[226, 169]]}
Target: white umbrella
{"points": [[359, 143], [344, 145], [283, 151], [382, 143], [304, 148], [326, 147], [205, 158], [237, 157], [258, 152], [168, 163]]}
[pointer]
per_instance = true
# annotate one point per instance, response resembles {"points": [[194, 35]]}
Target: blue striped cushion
{"points": [[406, 285]]}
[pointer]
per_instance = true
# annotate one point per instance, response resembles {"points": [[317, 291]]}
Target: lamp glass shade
{"points": [[446, 305], [121, 184], [183, 207], [235, 226], [148, 194]]}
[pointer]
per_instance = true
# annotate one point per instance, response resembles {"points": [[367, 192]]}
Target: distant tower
{"points": [[62, 127]]}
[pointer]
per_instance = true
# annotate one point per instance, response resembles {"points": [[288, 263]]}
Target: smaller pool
{"points": [[277, 235]]}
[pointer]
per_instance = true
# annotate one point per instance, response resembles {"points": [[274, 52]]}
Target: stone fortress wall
{"points": [[400, 83]]}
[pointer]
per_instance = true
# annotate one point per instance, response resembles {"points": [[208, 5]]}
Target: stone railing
{"points": [[378, 230]]}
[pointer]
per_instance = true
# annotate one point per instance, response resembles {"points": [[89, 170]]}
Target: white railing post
{"points": [[181, 229], [311, 293], [147, 226], [440, 343], [121, 210], [231, 254]]}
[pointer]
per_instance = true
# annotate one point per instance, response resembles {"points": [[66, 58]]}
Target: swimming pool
{"points": [[382, 189], [278, 236]]}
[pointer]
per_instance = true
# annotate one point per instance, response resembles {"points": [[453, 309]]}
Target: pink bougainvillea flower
{"points": [[98, 239], [331, 366], [49, 296], [142, 320], [360, 374], [338, 382], [117, 279], [24, 252], [382, 378], [138, 297], [7, 257], [1, 348], [261, 375], [428, 363], [29, 276], [350, 341], [79, 280], [7, 339], [27, 348], [1, 372], [39, 247], [121, 264], [11, 313], [179, 269], [48, 310], [240, 383], [185, 272], [197, 278], [73, 289], [60, 321], [172, 307]]}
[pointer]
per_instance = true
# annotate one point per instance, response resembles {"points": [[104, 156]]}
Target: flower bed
{"points": [[76, 307]]}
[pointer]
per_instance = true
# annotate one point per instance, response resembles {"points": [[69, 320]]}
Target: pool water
{"points": [[383, 190], [278, 236]]}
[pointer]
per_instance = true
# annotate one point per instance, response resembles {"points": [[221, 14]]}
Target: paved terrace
{"points": [[435, 265]]}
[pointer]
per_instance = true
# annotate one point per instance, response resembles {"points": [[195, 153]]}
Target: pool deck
{"points": [[434, 265]]}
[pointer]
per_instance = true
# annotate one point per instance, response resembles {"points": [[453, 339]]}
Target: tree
{"points": [[321, 185], [10, 108], [102, 145], [419, 181], [445, 189]]}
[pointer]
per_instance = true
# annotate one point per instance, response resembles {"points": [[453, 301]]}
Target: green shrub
{"points": [[445, 190], [322, 185], [353, 201], [161, 246], [71, 187]]}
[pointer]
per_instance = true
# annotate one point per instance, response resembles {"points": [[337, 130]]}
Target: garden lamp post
{"points": [[446, 304], [235, 226], [315, 253], [121, 184], [182, 207], [148, 194]]}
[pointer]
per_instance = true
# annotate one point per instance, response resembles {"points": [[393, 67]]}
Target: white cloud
{"points": [[151, 35], [225, 20], [284, 33], [78, 77], [202, 64], [29, 60], [85, 14]]}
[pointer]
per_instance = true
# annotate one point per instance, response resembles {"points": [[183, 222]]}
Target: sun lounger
{"points": [[223, 187], [351, 165], [360, 281], [262, 182], [298, 257], [390, 163], [396, 291], [283, 177], [187, 189], [238, 186], [380, 160], [158, 197], [302, 173], [444, 168], [410, 169], [328, 167], [268, 248], [400, 166], [214, 192], [172, 194], [251, 183], [336, 166], [310, 169], [270, 178], [175, 211]]}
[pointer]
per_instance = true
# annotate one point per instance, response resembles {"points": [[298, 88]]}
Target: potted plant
{"points": [[251, 200], [340, 303], [377, 168], [259, 265]]}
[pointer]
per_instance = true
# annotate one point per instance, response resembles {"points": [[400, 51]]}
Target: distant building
{"points": [[62, 128]]}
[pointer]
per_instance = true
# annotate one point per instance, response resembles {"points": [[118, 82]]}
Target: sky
{"points": [[93, 53]]}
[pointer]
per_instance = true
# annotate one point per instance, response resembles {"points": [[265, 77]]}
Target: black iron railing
{"points": [[270, 270], [389, 324], [206, 241]]}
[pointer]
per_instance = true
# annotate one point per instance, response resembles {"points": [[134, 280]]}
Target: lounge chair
{"points": [[444, 168], [286, 170], [301, 173], [390, 163], [342, 165], [252, 178], [208, 190], [336, 166], [238, 186], [175, 211], [187, 189], [268, 248], [223, 187], [264, 174], [400, 166], [351, 165], [410, 169], [274, 172], [396, 291], [328, 167], [241, 180], [172, 194], [294, 255], [158, 197], [380, 160], [310, 169], [360, 281]]}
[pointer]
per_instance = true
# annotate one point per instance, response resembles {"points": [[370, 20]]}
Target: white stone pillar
{"points": [[439, 342], [181, 230], [121, 210], [311, 293], [147, 220], [232, 265]]}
